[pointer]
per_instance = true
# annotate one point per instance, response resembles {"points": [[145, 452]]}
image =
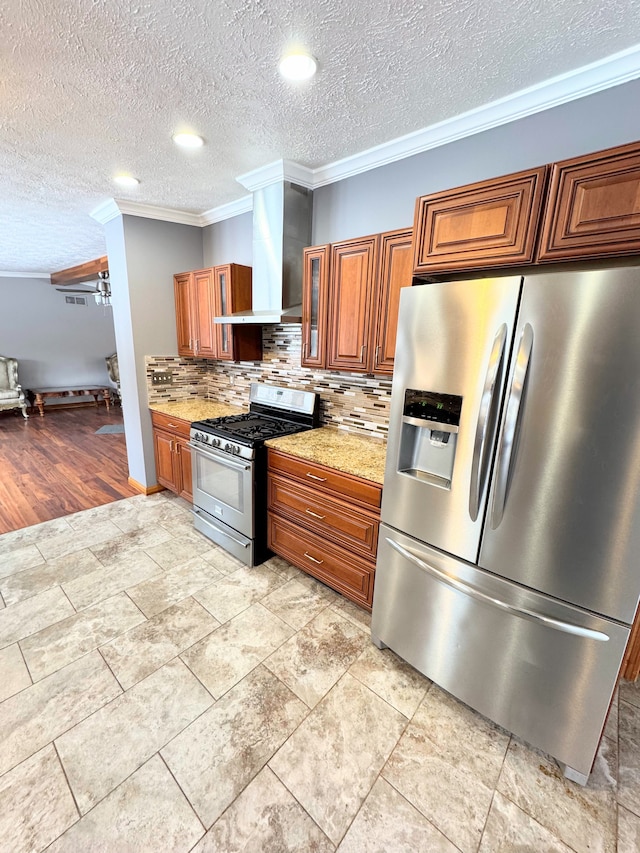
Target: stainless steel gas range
{"points": [[230, 467]]}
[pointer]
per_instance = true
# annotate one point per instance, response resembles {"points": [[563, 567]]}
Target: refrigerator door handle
{"points": [[486, 404], [512, 422], [521, 612]]}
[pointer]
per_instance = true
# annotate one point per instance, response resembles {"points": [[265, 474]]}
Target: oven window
{"points": [[222, 483]]}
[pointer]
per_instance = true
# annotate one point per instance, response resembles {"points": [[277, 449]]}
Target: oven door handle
{"points": [[220, 457]]}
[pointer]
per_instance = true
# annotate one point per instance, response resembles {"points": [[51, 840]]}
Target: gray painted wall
{"points": [[144, 255], [56, 344], [229, 241], [384, 198]]}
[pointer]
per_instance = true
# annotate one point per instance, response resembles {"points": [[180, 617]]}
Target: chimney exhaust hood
{"points": [[282, 211]]}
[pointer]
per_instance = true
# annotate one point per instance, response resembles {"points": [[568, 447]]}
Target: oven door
{"points": [[223, 487]]}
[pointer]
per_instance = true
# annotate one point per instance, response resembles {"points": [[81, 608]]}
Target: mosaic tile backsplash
{"points": [[349, 401]]}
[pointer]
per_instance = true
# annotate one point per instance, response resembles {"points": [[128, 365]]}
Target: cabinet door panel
{"points": [[352, 297], [184, 456], [488, 224], [205, 343], [163, 443], [396, 258], [183, 290], [593, 208], [314, 305], [222, 305]]}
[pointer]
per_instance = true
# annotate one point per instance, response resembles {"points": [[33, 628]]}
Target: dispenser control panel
{"points": [[430, 406]]}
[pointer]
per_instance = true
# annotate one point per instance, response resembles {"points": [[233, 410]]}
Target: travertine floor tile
{"points": [[178, 551], [234, 649], [360, 617], [234, 593], [265, 819], [628, 831], [447, 765], [313, 660], [584, 818], [387, 822], [630, 692], [283, 568], [611, 726], [19, 559], [391, 678], [219, 753], [103, 583], [295, 603], [67, 640], [143, 649], [52, 573], [14, 675], [67, 543], [224, 562], [32, 615], [147, 813], [629, 770], [331, 761], [173, 585], [37, 533], [509, 828], [143, 719], [35, 804], [120, 548], [33, 718]]}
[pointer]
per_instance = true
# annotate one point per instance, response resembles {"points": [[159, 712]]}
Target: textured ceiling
{"points": [[92, 87]]}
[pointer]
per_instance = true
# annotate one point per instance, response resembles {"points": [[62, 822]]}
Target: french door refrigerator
{"points": [[508, 564]]}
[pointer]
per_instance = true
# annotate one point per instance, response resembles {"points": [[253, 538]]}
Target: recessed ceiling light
{"points": [[126, 180], [297, 66], [188, 140]]}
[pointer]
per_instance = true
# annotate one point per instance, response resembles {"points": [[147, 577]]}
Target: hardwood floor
{"points": [[56, 465]]}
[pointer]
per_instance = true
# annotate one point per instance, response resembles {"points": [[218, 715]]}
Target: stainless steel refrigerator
{"points": [[508, 564]]}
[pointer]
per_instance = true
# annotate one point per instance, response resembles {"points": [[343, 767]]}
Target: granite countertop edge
{"points": [[351, 454]]}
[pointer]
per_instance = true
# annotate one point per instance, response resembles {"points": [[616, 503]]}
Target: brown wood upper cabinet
{"points": [[350, 301], [488, 224], [204, 294], [593, 207]]}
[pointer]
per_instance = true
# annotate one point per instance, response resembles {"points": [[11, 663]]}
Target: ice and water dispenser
{"points": [[430, 423]]}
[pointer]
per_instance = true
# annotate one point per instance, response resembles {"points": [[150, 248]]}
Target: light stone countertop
{"points": [[196, 409], [351, 454]]}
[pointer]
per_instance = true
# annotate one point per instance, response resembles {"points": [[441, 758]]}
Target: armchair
{"points": [[11, 394], [114, 373]]}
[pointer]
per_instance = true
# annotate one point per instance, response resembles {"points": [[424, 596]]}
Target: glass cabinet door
{"points": [[314, 305], [223, 306]]}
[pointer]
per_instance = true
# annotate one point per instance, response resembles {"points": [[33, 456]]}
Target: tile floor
{"points": [[155, 695]]}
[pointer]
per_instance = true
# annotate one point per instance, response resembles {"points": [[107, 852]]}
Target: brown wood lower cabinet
{"points": [[172, 454], [325, 522]]}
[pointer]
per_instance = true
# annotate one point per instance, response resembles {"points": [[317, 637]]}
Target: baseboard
{"points": [[145, 490]]}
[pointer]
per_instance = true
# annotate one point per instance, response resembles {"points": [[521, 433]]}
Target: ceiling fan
{"points": [[101, 290]]}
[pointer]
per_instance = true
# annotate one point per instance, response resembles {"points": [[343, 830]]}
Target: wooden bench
{"points": [[37, 396]]}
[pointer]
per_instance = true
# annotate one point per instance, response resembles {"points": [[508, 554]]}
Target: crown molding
{"points": [[280, 170], [10, 274], [604, 74], [227, 211], [114, 207]]}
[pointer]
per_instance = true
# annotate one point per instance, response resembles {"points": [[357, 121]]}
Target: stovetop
{"points": [[248, 428]]}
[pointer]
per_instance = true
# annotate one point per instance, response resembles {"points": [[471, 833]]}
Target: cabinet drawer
{"points": [[176, 425], [326, 480], [337, 568], [332, 519]]}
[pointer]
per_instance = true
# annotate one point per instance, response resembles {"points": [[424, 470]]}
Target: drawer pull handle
{"points": [[313, 477], [313, 559], [315, 514], [172, 425]]}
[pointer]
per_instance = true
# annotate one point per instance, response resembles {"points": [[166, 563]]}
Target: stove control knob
{"points": [[215, 442], [228, 448]]}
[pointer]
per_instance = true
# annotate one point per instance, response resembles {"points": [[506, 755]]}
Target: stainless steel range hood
{"points": [[281, 230]]}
